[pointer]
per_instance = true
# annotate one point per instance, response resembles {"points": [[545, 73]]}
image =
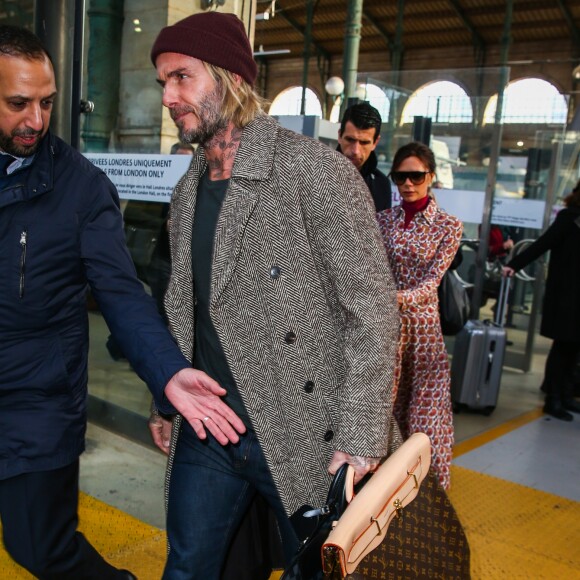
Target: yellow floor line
{"points": [[487, 436]]}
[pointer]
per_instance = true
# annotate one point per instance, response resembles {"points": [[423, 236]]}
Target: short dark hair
{"points": [[573, 199], [177, 146], [20, 42], [362, 116], [415, 149]]}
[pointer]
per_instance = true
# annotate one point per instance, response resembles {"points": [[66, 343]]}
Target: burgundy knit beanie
{"points": [[217, 38]]}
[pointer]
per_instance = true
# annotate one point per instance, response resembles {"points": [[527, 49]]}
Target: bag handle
{"points": [[349, 484], [338, 496]]}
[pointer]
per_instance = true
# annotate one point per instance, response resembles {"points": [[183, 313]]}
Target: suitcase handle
{"points": [[504, 292], [490, 357]]}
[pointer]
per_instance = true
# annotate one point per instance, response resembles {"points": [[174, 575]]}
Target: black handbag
{"points": [[454, 303], [312, 527]]}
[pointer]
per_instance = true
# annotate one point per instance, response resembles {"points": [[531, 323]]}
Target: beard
{"points": [[8, 146], [208, 113]]}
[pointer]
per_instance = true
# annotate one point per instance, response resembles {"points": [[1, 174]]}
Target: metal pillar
{"points": [[397, 54], [351, 50], [55, 23], [104, 71], [481, 256], [307, 41], [396, 59]]}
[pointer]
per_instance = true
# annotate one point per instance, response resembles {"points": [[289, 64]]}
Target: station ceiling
{"points": [[425, 24], [281, 24]]}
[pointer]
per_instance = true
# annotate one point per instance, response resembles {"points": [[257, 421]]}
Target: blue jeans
{"points": [[210, 491]]}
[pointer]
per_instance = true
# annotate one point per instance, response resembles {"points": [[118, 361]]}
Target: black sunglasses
{"points": [[416, 177]]}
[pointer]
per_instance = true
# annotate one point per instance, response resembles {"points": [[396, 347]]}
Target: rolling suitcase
{"points": [[478, 357]]}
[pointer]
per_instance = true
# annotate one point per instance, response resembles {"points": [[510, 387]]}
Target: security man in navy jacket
{"points": [[61, 232], [358, 137]]}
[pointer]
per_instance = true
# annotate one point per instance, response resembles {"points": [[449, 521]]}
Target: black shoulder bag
{"points": [[312, 527], [454, 304]]}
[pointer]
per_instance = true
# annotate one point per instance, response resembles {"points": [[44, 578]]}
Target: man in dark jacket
{"points": [[358, 137], [61, 231]]}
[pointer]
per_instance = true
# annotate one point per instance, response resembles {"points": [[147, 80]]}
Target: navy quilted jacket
{"points": [[61, 229]]}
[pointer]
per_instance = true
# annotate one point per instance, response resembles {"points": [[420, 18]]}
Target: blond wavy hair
{"points": [[240, 102]]}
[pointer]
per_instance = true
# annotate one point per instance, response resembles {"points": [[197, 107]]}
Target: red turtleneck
{"points": [[413, 207]]}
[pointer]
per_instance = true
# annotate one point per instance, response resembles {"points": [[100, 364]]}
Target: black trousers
{"points": [[559, 373], [39, 526]]}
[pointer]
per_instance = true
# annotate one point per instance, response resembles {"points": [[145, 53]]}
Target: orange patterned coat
{"points": [[419, 256]]}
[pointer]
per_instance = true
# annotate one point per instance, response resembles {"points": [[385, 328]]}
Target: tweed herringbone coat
{"points": [[303, 302]]}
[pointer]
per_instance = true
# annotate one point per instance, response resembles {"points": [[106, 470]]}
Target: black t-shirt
{"points": [[208, 353]]}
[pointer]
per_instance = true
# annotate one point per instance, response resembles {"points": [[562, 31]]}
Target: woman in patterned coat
{"points": [[421, 241]]}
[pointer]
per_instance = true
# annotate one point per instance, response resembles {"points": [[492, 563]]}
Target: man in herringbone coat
{"points": [[280, 291]]}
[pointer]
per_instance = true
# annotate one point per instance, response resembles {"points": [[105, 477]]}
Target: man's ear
{"points": [[237, 80]]}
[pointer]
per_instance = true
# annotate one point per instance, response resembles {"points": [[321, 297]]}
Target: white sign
{"points": [[468, 207], [145, 177], [523, 213], [462, 203]]}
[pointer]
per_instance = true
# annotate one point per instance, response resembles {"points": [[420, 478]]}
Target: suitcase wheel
{"points": [[487, 411], [458, 407]]}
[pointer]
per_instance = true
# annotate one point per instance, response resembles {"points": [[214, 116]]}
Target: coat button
{"points": [[290, 338], [309, 386], [275, 272], [329, 435]]}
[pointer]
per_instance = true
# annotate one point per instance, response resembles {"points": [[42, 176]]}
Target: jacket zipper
{"points": [[23, 236]]}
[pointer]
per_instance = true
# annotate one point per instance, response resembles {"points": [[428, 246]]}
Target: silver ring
{"points": [[205, 419]]}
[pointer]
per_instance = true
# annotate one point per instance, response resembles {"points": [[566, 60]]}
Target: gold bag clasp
{"points": [[398, 508]]}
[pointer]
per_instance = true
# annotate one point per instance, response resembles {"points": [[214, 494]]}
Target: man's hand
{"points": [[362, 465], [197, 398], [160, 432]]}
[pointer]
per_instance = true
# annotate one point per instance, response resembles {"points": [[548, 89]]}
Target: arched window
{"points": [[289, 102], [367, 92], [442, 101], [529, 101]]}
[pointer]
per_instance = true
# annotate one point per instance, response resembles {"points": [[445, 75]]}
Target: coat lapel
{"points": [[253, 165], [239, 204], [180, 292]]}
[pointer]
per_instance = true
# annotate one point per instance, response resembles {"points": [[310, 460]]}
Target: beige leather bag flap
{"points": [[363, 525]]}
